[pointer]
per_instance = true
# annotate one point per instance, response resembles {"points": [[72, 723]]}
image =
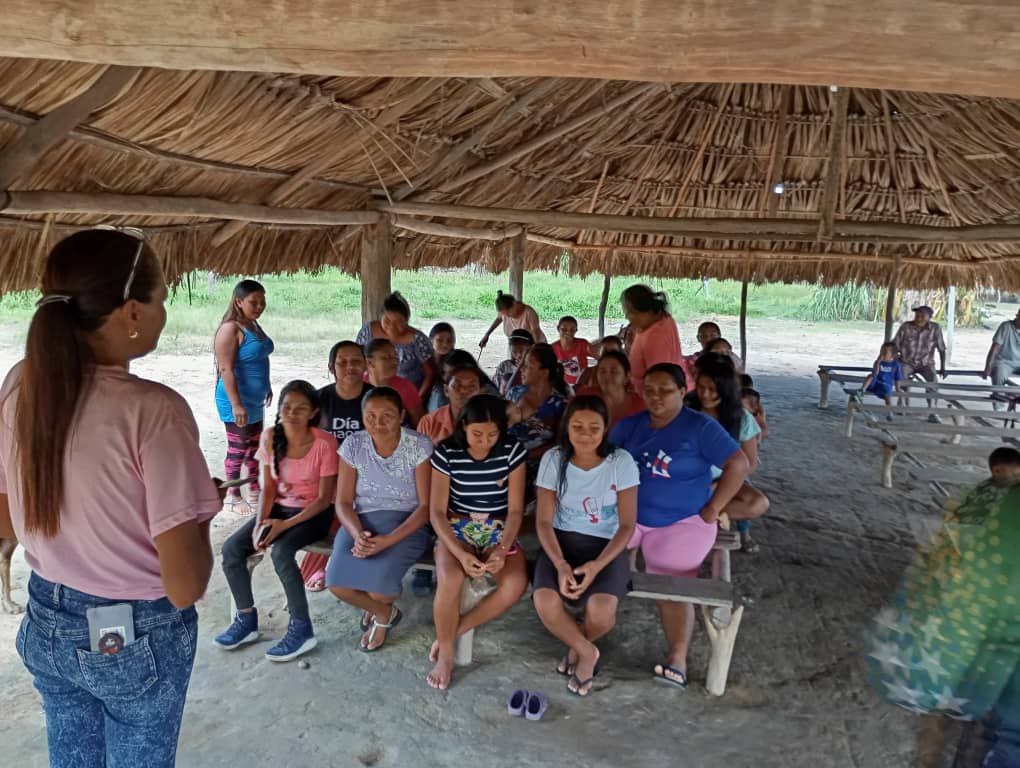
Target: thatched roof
{"points": [[682, 151]]}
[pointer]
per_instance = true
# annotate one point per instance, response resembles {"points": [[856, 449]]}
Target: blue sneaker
{"points": [[245, 629], [298, 640]]}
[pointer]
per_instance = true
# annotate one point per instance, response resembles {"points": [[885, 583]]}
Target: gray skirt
{"points": [[383, 573]]}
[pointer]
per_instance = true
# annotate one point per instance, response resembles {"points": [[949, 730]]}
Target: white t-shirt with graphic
{"points": [[587, 503]]}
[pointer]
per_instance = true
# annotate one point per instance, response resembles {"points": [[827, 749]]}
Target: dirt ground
{"points": [[833, 546]]}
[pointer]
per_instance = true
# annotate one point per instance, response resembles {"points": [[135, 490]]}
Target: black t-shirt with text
{"points": [[340, 417]]}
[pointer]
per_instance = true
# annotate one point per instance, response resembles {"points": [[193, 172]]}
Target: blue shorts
{"points": [[881, 390]]}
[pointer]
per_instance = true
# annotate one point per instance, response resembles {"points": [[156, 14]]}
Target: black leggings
{"points": [[239, 547]]}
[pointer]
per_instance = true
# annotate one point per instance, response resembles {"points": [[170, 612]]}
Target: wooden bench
{"points": [[855, 374]]}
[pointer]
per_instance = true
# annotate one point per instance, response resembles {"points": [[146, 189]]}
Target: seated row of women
{"points": [[605, 481]]}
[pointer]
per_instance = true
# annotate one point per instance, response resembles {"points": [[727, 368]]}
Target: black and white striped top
{"points": [[478, 487]]}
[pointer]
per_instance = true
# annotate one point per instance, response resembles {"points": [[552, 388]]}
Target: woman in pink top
{"points": [[103, 483], [514, 314], [299, 469], [654, 334]]}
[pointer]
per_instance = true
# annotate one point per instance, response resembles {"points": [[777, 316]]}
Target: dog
{"points": [[7, 547]]}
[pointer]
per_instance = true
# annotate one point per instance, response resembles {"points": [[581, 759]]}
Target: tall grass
{"points": [[840, 303]]}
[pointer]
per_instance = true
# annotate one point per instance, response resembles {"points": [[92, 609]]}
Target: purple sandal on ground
{"points": [[538, 703], [518, 702]]}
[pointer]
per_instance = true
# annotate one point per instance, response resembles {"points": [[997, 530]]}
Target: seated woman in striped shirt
{"points": [[477, 503]]}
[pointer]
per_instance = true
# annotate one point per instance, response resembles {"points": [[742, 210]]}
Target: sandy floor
{"points": [[833, 546]]}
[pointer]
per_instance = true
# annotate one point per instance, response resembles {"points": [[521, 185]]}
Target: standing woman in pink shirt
{"points": [[103, 483], [654, 336]]}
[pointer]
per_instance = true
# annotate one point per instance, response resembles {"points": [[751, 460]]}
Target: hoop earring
{"points": [[133, 335]]}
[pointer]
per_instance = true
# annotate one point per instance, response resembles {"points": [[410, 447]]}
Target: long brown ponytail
{"points": [[84, 280]]}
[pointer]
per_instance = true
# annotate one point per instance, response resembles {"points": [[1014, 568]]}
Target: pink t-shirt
{"points": [[528, 321], [132, 471], [297, 485], [658, 343], [574, 361]]}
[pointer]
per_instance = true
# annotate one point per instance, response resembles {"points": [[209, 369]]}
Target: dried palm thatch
{"points": [[685, 151]]}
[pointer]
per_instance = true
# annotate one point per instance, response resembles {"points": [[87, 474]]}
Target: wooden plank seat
{"points": [[855, 374]]}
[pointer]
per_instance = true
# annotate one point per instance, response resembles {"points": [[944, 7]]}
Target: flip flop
{"points": [[578, 684], [395, 617], [366, 621], [317, 583], [563, 668], [538, 703], [659, 675], [518, 702]]}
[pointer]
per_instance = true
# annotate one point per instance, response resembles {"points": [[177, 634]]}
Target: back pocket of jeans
{"points": [[120, 676]]}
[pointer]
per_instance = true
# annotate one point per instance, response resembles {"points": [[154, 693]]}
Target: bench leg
{"points": [[252, 561], [960, 421], [851, 408], [823, 395], [464, 649], [888, 457], [469, 598], [722, 639]]}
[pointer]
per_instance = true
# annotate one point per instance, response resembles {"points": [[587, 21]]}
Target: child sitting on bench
{"points": [[886, 376]]}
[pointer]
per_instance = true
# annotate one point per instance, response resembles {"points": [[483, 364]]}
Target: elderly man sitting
{"points": [[1004, 355], [917, 340]]}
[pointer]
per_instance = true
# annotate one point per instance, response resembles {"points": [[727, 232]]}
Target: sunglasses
{"points": [[140, 237]]}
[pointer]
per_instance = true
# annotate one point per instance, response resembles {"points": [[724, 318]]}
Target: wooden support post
{"points": [[722, 638], [890, 299], [376, 262], [950, 323], [824, 380], [518, 249], [837, 134], [604, 301], [21, 156], [888, 457], [743, 323]]}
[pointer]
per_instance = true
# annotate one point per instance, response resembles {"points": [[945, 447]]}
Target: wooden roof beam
{"points": [[837, 136], [953, 47], [775, 230], [104, 204], [20, 157]]}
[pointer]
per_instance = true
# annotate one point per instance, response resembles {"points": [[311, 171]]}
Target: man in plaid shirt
{"points": [[917, 340]]}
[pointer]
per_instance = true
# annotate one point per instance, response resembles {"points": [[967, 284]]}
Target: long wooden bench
{"points": [[855, 374]]}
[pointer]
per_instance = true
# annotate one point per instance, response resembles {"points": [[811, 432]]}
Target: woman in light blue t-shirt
{"points": [[587, 509], [718, 394]]}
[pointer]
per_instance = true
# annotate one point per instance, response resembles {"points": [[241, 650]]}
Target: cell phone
{"points": [[111, 627], [237, 483], [263, 533]]}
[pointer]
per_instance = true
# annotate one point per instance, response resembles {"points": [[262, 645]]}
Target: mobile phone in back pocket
{"points": [[111, 627]]}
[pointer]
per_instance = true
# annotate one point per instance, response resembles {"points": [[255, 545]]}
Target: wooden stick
{"points": [[21, 203], [484, 169], [743, 323], [518, 251], [604, 298], [776, 230], [890, 299], [21, 156], [837, 135], [461, 233]]}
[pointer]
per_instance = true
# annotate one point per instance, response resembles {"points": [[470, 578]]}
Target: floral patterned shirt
{"points": [[386, 483]]}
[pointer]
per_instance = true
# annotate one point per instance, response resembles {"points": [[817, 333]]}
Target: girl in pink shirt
{"points": [[299, 469], [654, 333], [103, 483]]}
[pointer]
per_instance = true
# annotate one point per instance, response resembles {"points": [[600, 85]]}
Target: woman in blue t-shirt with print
{"points": [[675, 449], [587, 509]]}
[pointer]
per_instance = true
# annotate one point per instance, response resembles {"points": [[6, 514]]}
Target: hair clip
{"points": [[53, 298]]}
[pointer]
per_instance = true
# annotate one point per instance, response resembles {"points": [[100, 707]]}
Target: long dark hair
{"points": [[242, 291], [479, 410], [335, 350], [396, 302], [83, 281], [612, 354], [459, 358], [548, 361], [720, 370], [581, 403], [308, 392], [641, 298]]}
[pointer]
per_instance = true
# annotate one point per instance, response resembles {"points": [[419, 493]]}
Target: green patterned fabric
{"points": [[949, 641]]}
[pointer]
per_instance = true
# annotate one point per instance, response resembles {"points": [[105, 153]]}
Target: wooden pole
{"points": [[837, 134], [950, 323], [101, 203], [21, 156], [776, 230], [890, 300], [518, 250], [743, 323], [604, 299], [376, 262]]}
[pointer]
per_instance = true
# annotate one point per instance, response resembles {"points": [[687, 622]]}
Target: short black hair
{"points": [[384, 393], [335, 350], [746, 381], [670, 369], [376, 344], [1004, 456], [751, 393], [443, 327]]}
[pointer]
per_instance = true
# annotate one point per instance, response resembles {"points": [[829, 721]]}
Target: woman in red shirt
{"points": [[655, 336], [612, 375]]}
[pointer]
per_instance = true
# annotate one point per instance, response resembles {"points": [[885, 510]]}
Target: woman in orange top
{"points": [[612, 375], [655, 336]]}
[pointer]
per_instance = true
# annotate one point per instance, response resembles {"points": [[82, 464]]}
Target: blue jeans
{"points": [[107, 711]]}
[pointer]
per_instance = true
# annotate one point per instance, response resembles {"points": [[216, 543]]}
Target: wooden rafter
{"points": [[894, 171], [837, 136], [20, 157]]}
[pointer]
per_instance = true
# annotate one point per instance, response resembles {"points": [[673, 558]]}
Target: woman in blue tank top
{"points": [[243, 390]]}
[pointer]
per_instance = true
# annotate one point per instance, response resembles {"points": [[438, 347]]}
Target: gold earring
{"points": [[133, 335]]}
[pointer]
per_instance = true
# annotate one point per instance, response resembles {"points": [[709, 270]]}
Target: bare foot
{"points": [[567, 664], [581, 681], [434, 652], [442, 672]]}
